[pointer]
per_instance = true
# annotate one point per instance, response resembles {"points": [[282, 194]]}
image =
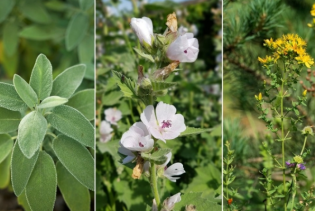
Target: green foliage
{"points": [[199, 200], [6, 145], [25, 91], [87, 108], [9, 120], [10, 99]]}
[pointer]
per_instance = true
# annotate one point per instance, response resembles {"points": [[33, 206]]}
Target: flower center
{"points": [[166, 124], [140, 144], [113, 119], [185, 51]]}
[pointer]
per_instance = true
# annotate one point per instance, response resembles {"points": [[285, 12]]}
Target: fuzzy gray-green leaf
{"points": [[42, 186], [21, 169], [159, 157], [76, 30], [10, 99], [6, 145], [72, 123], [41, 77], [9, 120], [5, 172], [68, 81], [74, 193], [52, 101], [10, 38], [5, 9], [25, 91], [32, 130], [76, 158], [83, 101]]}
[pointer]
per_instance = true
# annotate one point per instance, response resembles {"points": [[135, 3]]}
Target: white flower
{"points": [[184, 48], [137, 138], [130, 155], [169, 202], [112, 115], [143, 27], [175, 169], [166, 124], [105, 132]]}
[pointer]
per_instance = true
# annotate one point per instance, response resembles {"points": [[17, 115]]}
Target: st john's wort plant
{"points": [[282, 117], [44, 134], [143, 147]]}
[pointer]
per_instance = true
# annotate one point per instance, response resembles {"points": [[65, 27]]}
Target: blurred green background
{"points": [[197, 97], [247, 23]]}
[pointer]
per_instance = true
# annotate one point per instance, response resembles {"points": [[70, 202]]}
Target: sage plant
{"points": [[46, 137]]}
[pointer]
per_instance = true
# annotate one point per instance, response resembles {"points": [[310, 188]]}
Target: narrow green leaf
{"points": [[5, 9], [40, 32], [52, 101], [21, 169], [161, 85], [159, 157], [200, 201], [74, 193], [193, 131], [86, 49], [25, 91], [10, 99], [9, 120], [76, 30], [10, 38], [32, 130], [5, 172], [41, 77], [76, 158], [35, 11], [23, 202], [146, 56], [68, 81], [42, 186], [72, 123], [86, 4], [112, 98], [83, 101], [127, 86], [6, 145]]}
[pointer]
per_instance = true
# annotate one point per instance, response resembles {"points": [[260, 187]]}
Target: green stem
{"points": [[282, 138], [305, 139], [153, 181]]}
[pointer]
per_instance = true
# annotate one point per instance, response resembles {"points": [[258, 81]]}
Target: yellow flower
{"points": [[305, 92], [313, 10], [259, 97], [306, 59], [298, 159]]}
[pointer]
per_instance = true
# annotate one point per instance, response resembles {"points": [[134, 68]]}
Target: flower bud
{"points": [[298, 159], [305, 92], [307, 131], [143, 28]]}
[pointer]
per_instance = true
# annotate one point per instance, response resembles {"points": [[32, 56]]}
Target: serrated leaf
{"points": [[76, 158], [32, 130], [5, 9], [52, 101], [41, 77], [9, 120], [72, 123], [76, 30], [23, 201], [161, 85], [143, 55], [21, 169], [35, 11], [10, 38], [86, 49], [200, 201], [127, 86], [10, 99], [42, 186], [6, 145], [25, 91], [193, 131], [68, 81], [74, 193], [83, 101], [5, 172], [159, 157]]}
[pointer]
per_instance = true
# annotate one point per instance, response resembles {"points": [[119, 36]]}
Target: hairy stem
{"points": [[153, 181]]}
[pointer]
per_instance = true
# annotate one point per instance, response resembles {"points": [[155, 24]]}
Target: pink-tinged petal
{"points": [[128, 159], [155, 132], [112, 115], [142, 127], [148, 116], [169, 135], [105, 128], [164, 111], [178, 123], [130, 155], [189, 36], [169, 203], [105, 138]]}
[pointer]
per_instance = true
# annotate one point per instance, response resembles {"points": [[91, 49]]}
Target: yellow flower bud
{"points": [[260, 97], [305, 92]]}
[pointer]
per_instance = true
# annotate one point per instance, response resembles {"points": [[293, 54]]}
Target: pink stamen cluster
{"points": [[166, 124]]}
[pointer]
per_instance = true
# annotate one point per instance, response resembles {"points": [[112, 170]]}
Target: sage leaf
{"points": [[5, 172], [76, 30], [52, 101], [76, 195], [5, 9], [9, 120], [41, 77], [42, 186], [32, 130], [72, 123], [83, 101], [6, 145], [21, 169], [23, 201], [25, 91], [68, 81], [76, 159], [10, 99], [10, 38]]}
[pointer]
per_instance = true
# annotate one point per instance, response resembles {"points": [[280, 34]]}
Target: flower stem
{"points": [[153, 181]]}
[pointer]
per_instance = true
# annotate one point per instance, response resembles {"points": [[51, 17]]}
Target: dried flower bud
{"points": [[172, 22]]}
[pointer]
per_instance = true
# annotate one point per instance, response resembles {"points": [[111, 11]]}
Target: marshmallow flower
{"points": [[130, 155], [143, 28], [166, 124], [169, 202], [112, 115], [175, 169], [184, 48], [105, 132], [137, 138]]}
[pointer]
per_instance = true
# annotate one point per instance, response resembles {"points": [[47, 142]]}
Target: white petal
{"points": [[164, 111], [143, 28], [128, 159], [169, 156], [155, 132], [105, 138], [149, 23], [148, 116], [175, 169], [125, 151], [170, 202], [142, 127], [178, 123], [105, 128]]}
